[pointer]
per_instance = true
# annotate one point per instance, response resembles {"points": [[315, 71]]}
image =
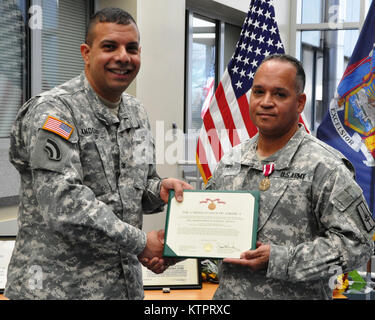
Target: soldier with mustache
{"points": [[313, 218]]}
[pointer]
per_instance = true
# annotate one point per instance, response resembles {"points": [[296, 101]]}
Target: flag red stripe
{"points": [[353, 66], [245, 111], [226, 115], [202, 158], [213, 138], [303, 122]]}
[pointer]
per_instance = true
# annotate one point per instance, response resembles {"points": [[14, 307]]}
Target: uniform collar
{"points": [[281, 158], [126, 116]]}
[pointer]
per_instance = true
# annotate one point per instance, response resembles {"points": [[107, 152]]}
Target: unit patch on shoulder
{"points": [[53, 150], [59, 127]]}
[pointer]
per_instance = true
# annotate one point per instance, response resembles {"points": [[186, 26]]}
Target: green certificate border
{"points": [[168, 252]]}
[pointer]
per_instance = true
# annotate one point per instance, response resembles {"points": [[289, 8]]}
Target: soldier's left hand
{"points": [[254, 259], [173, 184]]}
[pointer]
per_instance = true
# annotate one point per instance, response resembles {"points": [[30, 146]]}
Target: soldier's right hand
{"points": [[151, 256]]}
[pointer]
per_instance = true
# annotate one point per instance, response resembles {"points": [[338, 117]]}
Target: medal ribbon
{"points": [[268, 169]]}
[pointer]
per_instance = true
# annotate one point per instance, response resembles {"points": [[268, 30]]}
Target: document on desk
{"points": [[183, 275], [211, 224], [6, 249]]}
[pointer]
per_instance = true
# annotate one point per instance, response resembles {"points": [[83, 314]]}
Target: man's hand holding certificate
{"points": [[211, 224]]}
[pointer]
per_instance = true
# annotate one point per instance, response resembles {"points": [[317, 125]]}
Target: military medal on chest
{"points": [[267, 170]]}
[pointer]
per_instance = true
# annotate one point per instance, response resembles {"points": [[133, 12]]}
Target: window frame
{"points": [[295, 27], [219, 59], [295, 47], [222, 15], [9, 192]]}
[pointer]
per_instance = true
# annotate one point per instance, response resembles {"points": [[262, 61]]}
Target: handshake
{"points": [[151, 256]]}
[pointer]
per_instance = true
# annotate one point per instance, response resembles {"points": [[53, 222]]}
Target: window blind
{"points": [[12, 62], [64, 30]]}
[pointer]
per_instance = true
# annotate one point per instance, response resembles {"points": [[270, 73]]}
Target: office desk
{"points": [[206, 293]]}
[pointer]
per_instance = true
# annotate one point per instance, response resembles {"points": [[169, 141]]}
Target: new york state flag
{"points": [[349, 125]]}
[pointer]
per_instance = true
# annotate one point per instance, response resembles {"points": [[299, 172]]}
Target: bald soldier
{"points": [[86, 159], [313, 218]]}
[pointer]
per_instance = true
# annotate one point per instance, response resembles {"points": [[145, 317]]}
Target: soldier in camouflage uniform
{"points": [[87, 178], [313, 221]]}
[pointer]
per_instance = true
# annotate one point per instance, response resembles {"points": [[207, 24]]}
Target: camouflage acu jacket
{"points": [[86, 178], [313, 215]]}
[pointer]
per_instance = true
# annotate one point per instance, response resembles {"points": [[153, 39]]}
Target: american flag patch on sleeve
{"points": [[59, 127]]}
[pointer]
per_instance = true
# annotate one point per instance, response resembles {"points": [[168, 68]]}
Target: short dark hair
{"points": [[113, 15], [300, 72]]}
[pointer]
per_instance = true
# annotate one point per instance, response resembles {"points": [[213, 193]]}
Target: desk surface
{"points": [[206, 293]]}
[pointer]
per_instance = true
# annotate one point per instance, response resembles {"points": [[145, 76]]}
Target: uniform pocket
{"points": [[107, 163], [97, 166], [269, 199], [346, 197]]}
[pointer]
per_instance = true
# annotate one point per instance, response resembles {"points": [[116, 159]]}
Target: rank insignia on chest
{"points": [[59, 127]]}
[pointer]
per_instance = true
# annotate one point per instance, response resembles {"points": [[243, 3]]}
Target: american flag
{"points": [[226, 122], [59, 127]]}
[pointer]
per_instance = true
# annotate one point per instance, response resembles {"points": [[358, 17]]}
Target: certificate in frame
{"points": [[211, 224], [6, 249], [185, 274]]}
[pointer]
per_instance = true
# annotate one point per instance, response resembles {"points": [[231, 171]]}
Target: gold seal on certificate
{"points": [[211, 224], [207, 247]]}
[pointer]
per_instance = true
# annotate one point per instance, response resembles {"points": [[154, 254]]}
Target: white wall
{"points": [[160, 82], [282, 13], [242, 5]]}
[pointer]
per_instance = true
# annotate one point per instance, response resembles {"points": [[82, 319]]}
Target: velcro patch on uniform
{"points": [[346, 197], [366, 217], [59, 127]]}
